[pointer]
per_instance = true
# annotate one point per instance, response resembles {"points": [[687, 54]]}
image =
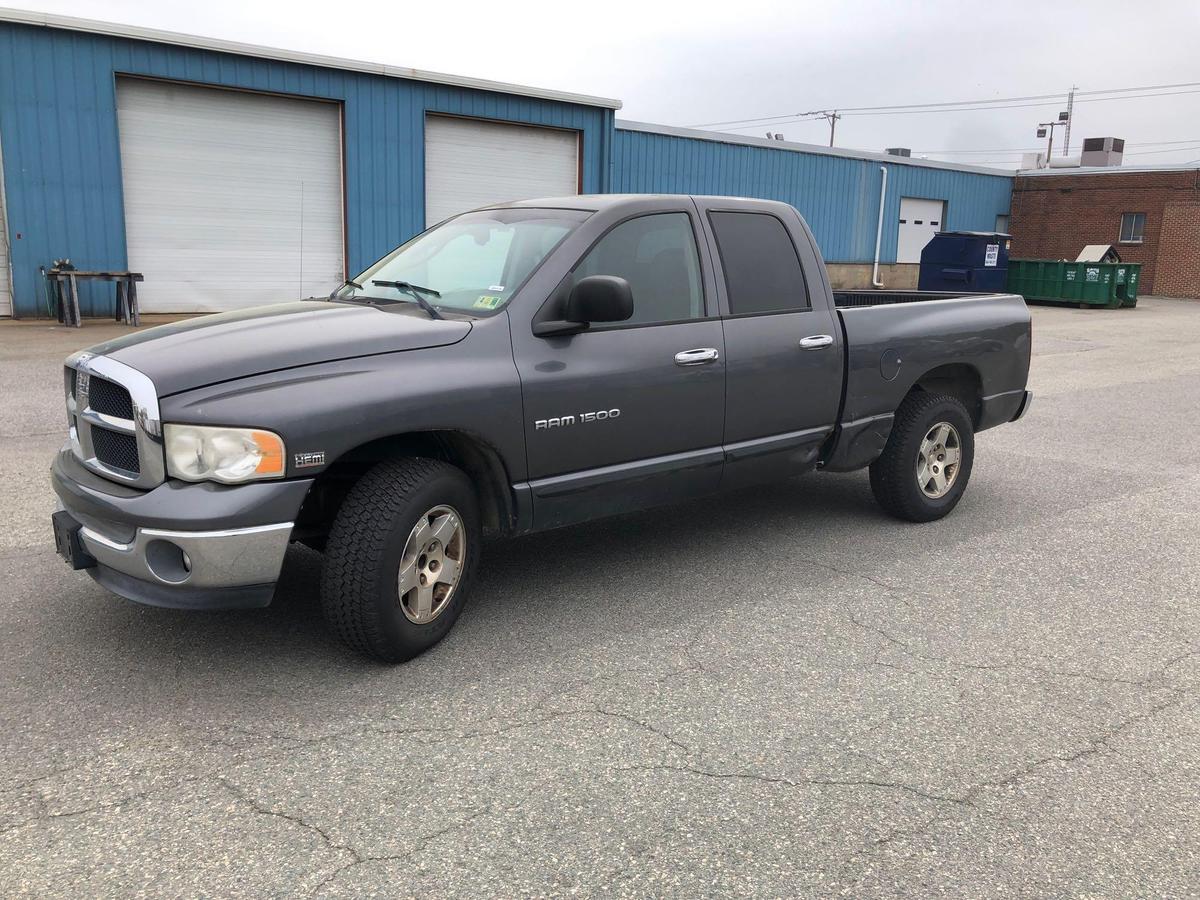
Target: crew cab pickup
{"points": [[517, 368]]}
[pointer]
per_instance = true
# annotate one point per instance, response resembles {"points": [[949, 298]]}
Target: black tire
{"points": [[359, 593], [894, 474]]}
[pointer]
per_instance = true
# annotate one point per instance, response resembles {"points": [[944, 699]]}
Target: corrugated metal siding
{"points": [[62, 160], [838, 197]]}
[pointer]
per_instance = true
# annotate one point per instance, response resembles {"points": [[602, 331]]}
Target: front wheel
{"points": [[400, 556], [926, 463]]}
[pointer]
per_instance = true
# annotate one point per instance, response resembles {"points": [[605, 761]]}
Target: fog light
{"points": [[167, 562]]}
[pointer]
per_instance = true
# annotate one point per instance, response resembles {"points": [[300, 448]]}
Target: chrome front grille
{"points": [[116, 449], [110, 398], [112, 415]]}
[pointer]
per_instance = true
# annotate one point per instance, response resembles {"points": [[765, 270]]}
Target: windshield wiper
{"points": [[347, 283], [417, 292]]}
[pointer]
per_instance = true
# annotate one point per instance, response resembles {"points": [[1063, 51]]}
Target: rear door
{"points": [[628, 415], [920, 220], [782, 341]]}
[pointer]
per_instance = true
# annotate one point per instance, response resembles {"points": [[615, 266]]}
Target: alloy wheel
{"points": [[431, 565], [938, 460]]}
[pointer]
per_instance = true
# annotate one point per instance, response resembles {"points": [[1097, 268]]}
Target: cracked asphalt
{"points": [[778, 692]]}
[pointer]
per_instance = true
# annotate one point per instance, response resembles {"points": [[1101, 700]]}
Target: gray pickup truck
{"points": [[513, 369]]}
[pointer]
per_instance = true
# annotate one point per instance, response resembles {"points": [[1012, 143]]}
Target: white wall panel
{"points": [[5, 256]]}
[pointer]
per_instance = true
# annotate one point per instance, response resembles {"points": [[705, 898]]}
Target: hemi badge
{"points": [[306, 460]]}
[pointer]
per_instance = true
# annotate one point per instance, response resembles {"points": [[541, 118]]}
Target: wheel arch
{"points": [[478, 459], [959, 380]]}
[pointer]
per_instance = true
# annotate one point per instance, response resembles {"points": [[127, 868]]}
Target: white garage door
{"points": [[470, 163], [5, 257], [920, 220], [231, 199]]}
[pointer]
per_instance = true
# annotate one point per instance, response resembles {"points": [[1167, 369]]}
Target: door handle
{"points": [[696, 357], [816, 341]]}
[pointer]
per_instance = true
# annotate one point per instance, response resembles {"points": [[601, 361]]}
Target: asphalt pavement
{"points": [[777, 692]]}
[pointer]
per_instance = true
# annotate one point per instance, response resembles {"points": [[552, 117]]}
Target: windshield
{"points": [[472, 263]]}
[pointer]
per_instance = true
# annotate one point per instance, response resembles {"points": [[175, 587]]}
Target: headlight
{"points": [[228, 455]]}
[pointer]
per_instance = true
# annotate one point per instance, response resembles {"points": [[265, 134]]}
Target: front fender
{"points": [[324, 410]]}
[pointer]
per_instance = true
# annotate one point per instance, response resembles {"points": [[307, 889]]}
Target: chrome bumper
{"points": [[181, 545], [194, 559]]}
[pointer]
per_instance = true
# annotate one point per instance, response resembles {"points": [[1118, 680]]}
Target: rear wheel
{"points": [[924, 468], [399, 558]]}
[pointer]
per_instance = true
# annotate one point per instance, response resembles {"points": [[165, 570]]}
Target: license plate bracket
{"points": [[68, 542]]}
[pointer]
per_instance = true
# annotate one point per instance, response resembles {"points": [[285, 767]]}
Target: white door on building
{"points": [[920, 220], [470, 163], [5, 256], [232, 199]]}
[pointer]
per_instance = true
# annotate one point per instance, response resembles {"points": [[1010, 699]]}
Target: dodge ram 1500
{"points": [[513, 369]]}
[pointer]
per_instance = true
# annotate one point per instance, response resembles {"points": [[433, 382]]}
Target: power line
{"points": [[1148, 87], [861, 109], [962, 105], [911, 112], [1169, 150], [908, 112], [1035, 149]]}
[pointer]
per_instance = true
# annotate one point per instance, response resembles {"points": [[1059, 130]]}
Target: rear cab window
{"points": [[762, 270]]}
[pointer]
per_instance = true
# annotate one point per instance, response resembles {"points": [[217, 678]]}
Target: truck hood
{"points": [[210, 349]]}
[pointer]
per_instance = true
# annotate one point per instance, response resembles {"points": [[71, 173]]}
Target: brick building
{"points": [[1151, 215]]}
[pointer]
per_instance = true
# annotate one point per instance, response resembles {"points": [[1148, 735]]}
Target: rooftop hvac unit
{"points": [[898, 151], [1033, 160], [1103, 151]]}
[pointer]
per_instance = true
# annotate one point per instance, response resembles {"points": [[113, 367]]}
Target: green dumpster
{"points": [[1089, 284]]}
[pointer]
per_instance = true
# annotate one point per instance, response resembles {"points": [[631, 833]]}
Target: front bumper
{"points": [[182, 545]]}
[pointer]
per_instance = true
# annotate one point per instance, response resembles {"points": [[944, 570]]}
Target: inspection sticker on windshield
{"points": [[488, 301]]}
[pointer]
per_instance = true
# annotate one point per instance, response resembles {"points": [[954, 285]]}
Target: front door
{"points": [[630, 414]]}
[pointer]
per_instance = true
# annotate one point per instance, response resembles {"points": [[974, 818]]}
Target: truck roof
{"points": [[597, 202]]}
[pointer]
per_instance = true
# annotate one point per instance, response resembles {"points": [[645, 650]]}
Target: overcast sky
{"points": [[691, 63]]}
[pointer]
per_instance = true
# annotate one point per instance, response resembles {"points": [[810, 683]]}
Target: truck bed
{"points": [[853, 299], [894, 337]]}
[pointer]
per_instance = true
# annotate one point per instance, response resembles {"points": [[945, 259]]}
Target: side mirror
{"points": [[600, 298], [596, 298]]}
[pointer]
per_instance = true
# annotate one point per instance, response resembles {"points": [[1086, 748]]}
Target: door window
{"points": [[762, 270], [657, 255]]}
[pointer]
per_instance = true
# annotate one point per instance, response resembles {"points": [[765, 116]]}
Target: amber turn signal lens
{"points": [[271, 447]]}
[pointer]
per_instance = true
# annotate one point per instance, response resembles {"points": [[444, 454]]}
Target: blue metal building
{"points": [[61, 151], [100, 163], [838, 191]]}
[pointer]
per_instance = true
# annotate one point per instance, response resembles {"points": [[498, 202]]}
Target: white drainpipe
{"points": [[875, 282]]}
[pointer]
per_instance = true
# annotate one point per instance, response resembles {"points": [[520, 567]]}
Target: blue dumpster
{"points": [[965, 261]]}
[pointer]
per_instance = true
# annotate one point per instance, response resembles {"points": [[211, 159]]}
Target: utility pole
{"points": [[832, 116], [829, 115], [1070, 111]]}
